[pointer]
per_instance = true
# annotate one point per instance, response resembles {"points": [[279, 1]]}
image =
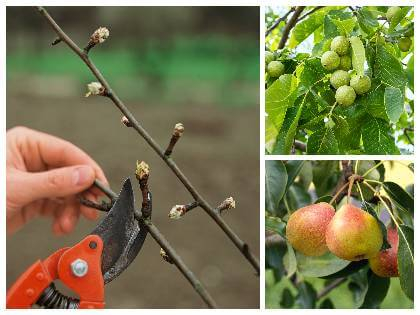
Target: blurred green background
{"points": [[161, 55], [195, 65]]}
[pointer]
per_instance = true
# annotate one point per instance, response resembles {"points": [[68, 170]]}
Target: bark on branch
{"points": [[289, 25]]}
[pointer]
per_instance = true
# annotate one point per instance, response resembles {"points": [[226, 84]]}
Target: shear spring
{"points": [[52, 298]]}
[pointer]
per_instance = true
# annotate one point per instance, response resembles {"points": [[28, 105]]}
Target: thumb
{"points": [[59, 182]]}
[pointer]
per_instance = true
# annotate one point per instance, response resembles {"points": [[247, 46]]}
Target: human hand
{"points": [[44, 175]]}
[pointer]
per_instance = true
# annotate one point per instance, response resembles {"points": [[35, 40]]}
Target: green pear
{"points": [[353, 234], [385, 263], [305, 229]]}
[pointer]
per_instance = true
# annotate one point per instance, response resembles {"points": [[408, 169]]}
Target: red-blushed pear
{"points": [[385, 263], [353, 234], [305, 230]]}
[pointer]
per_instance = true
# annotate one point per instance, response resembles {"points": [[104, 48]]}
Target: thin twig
{"points": [[170, 251], [239, 243], [104, 206], [327, 289], [289, 25], [309, 13], [407, 136], [278, 21], [105, 189]]}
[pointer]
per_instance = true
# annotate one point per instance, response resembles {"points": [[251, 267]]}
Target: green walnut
{"points": [[339, 78], [360, 83], [345, 63], [391, 13], [330, 60], [345, 95], [269, 57], [340, 44], [275, 69], [404, 44], [410, 31]]}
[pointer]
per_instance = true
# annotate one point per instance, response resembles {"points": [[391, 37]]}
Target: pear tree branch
{"points": [[107, 91], [170, 251]]}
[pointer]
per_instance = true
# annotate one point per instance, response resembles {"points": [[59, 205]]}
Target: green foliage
{"points": [[300, 105], [295, 280]]}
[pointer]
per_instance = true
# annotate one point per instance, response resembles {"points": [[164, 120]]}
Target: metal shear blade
{"points": [[123, 236]]}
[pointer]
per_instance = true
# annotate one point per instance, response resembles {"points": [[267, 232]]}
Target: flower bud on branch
{"points": [[142, 170], [228, 203], [95, 88], [126, 122], [176, 134], [98, 37], [56, 41], [178, 211], [165, 256]]}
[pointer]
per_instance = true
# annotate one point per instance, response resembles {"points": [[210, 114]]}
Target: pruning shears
{"points": [[86, 267]]}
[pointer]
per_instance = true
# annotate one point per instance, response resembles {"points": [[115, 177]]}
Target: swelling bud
{"points": [[353, 234], [306, 227]]}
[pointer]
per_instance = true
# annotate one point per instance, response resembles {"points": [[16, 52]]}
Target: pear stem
{"points": [[373, 181], [351, 182], [360, 191], [338, 193], [372, 168]]}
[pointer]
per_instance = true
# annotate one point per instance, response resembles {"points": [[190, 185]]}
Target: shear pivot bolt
{"points": [[79, 267]]}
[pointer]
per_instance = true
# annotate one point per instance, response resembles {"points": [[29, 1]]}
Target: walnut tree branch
{"points": [[238, 242], [278, 21], [289, 25], [309, 13]]}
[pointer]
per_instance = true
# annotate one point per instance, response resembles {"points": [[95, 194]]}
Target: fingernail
{"points": [[82, 175]]}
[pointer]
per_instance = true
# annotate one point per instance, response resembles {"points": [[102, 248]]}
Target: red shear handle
{"points": [[88, 285]]}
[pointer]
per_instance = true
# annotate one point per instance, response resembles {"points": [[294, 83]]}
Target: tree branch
{"points": [[239, 243], [289, 25], [309, 13], [330, 287], [347, 171], [299, 145], [278, 21], [170, 251]]}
